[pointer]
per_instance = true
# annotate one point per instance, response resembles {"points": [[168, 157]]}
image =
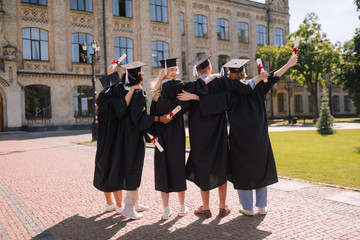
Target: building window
{"points": [[200, 26], [183, 63], [336, 103], [81, 5], [39, 2], [77, 39], [298, 104], [160, 50], [37, 101], [83, 101], [278, 37], [347, 103], [158, 10], [268, 102], [182, 23], [222, 60], [121, 46], [243, 32], [281, 102], [261, 35], [222, 29], [35, 44], [311, 103], [122, 8]]}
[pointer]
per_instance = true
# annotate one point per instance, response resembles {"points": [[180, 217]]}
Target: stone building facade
{"points": [[45, 84]]}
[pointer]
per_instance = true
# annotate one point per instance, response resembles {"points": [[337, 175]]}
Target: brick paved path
{"points": [[46, 192]]}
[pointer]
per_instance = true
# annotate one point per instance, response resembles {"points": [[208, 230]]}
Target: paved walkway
{"points": [[46, 192]]}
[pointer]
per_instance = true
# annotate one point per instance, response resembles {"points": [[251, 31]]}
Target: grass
{"points": [[332, 159]]}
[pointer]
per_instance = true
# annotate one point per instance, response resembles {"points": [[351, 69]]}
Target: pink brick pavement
{"points": [[47, 193]]}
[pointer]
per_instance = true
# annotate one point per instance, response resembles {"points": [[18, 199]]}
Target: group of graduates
{"points": [[243, 156]]}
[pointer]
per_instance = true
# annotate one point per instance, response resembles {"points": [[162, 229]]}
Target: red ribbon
{"points": [[295, 50], [153, 140], [170, 113], [260, 67], [115, 62]]}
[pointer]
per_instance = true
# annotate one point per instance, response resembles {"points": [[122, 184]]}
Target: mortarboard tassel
{"points": [[126, 77], [222, 72], [165, 67], [195, 74]]}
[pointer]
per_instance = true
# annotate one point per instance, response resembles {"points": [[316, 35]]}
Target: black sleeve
{"points": [[237, 86], [164, 105], [138, 113], [265, 87], [120, 106], [197, 87], [214, 103]]}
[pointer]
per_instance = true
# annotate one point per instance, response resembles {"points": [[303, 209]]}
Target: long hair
{"points": [[156, 90]]}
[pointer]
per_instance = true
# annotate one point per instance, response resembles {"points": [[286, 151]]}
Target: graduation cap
{"points": [[110, 80], [166, 63], [132, 71], [234, 65], [200, 62]]}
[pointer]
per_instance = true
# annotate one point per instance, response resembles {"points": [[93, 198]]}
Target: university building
{"points": [[45, 75]]}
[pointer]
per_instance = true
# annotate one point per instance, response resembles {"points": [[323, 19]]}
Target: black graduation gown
{"points": [[120, 147], [252, 161], [169, 165], [207, 165]]}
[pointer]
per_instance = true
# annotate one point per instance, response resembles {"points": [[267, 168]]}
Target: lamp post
{"points": [[94, 58], [288, 88]]}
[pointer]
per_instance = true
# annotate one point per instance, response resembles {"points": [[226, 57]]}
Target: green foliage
{"points": [[349, 73], [324, 123], [357, 3]]}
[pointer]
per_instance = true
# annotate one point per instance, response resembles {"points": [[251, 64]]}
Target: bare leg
{"points": [[108, 198], [118, 198], [222, 195], [181, 196], [205, 196], [165, 198]]}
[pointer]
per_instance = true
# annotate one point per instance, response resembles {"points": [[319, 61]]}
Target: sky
{"points": [[338, 18]]}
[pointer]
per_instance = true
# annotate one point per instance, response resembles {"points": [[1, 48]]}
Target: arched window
{"points": [[158, 10], [268, 102], [347, 103], [336, 104], [160, 50], [261, 35], [200, 26], [83, 101], [311, 103], [278, 37], [222, 29], [243, 32], [281, 102], [38, 2], [81, 5], [122, 8], [76, 50], [37, 101], [35, 44], [121, 46], [222, 60], [298, 104]]}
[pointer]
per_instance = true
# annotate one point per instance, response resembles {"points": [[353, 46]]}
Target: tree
{"points": [[357, 3], [324, 123], [349, 69]]}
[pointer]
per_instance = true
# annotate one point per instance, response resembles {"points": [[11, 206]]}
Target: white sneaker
{"points": [[119, 210], [263, 210], [183, 210], [141, 207], [167, 213], [247, 212], [110, 208], [129, 212]]}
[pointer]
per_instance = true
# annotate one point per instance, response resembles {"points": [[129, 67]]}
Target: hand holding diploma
{"points": [[296, 46], [115, 63], [260, 67], [154, 140]]}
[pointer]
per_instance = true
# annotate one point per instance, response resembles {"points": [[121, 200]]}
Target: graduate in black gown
{"points": [[120, 148], [207, 165], [252, 161], [169, 165]]}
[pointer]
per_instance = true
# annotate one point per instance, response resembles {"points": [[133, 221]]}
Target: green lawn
{"points": [[333, 159]]}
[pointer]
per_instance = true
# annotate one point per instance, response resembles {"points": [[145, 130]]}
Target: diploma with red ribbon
{"points": [[117, 62], [260, 67], [155, 142], [171, 113], [296, 45]]}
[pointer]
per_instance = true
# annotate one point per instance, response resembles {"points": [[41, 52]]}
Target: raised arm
{"points": [[292, 61]]}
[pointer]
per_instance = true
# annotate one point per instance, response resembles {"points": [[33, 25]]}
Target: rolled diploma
{"points": [[156, 143], [122, 58], [296, 45], [259, 62], [174, 111]]}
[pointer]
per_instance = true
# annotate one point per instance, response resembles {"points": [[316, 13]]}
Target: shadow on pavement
{"points": [[21, 135]]}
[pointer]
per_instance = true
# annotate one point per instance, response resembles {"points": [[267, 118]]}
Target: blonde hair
{"points": [[156, 90]]}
